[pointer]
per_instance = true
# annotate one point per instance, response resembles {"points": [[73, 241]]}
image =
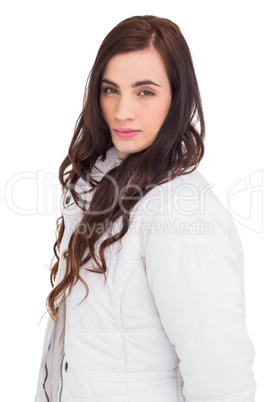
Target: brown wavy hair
{"points": [[179, 146]]}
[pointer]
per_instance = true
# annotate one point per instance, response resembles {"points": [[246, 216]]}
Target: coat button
{"points": [[66, 366], [67, 199]]}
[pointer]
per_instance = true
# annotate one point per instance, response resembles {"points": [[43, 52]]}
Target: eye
{"points": [[146, 93], [109, 90]]}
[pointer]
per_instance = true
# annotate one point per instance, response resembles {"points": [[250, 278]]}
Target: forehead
{"points": [[133, 65]]}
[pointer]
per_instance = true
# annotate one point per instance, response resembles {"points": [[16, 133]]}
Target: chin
{"points": [[125, 148]]}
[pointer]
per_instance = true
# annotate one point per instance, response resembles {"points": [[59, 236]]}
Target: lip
{"points": [[125, 132]]}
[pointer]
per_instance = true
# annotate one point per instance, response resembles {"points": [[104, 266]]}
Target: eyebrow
{"points": [[137, 84]]}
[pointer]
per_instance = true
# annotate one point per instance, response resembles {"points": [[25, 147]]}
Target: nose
{"points": [[124, 109]]}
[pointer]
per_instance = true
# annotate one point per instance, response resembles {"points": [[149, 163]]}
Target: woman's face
{"points": [[135, 98]]}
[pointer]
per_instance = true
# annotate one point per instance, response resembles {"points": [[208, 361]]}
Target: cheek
{"points": [[105, 109], [156, 116]]}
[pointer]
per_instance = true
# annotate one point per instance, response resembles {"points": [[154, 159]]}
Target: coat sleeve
{"points": [[194, 266]]}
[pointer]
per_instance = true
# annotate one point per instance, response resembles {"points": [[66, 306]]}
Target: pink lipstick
{"points": [[125, 132]]}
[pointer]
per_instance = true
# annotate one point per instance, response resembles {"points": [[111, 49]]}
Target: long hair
{"points": [[177, 149]]}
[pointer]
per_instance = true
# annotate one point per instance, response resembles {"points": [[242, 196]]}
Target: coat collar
{"points": [[103, 167]]}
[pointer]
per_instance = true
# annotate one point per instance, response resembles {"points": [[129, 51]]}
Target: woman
{"points": [[148, 299]]}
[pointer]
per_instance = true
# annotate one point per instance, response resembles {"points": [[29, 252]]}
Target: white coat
{"points": [[169, 324]]}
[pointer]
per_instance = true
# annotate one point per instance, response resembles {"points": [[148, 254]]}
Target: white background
{"points": [[47, 51]]}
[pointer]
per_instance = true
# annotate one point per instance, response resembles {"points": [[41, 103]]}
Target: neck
{"points": [[122, 155]]}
